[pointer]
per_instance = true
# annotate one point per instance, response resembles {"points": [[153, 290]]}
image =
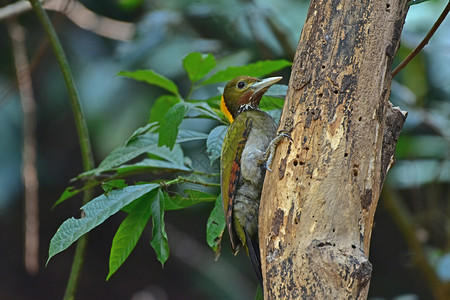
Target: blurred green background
{"points": [[236, 32]]}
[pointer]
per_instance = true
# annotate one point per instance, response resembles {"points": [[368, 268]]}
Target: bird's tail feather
{"points": [[255, 256]]}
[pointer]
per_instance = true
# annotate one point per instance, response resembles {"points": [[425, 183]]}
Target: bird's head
{"points": [[243, 93]]}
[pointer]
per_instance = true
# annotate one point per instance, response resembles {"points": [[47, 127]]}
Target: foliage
{"points": [[156, 149]]}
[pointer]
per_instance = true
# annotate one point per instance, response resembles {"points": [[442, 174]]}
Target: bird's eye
{"points": [[241, 84]]}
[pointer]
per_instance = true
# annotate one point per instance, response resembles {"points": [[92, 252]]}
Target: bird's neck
{"points": [[246, 107]]}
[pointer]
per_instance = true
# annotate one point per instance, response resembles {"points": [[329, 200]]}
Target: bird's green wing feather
{"points": [[233, 145]]}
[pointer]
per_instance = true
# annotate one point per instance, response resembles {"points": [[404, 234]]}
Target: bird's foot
{"points": [[270, 152]]}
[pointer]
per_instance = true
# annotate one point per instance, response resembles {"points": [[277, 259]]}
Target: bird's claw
{"points": [[270, 152]]}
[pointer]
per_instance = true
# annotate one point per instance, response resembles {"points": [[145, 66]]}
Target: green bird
{"points": [[247, 151]]}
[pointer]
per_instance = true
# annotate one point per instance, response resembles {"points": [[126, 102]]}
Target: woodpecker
{"points": [[248, 149]]}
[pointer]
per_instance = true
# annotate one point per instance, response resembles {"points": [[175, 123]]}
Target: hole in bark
{"points": [[302, 163], [360, 118], [345, 154], [295, 163], [320, 95], [306, 148], [334, 229], [335, 92], [353, 246], [355, 172], [323, 66], [298, 156], [296, 179]]}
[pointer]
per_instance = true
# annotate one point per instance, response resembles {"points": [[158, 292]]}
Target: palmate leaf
{"points": [[197, 65], [215, 226], [159, 236], [95, 212], [258, 69], [130, 231], [153, 78]]}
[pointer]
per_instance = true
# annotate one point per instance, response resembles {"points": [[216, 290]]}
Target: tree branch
{"points": [[83, 136], [424, 41], [317, 208]]}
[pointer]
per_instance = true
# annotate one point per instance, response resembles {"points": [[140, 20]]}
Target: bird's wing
{"points": [[234, 144]]}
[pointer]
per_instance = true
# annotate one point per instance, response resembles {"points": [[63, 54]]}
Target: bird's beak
{"points": [[264, 84], [259, 88]]}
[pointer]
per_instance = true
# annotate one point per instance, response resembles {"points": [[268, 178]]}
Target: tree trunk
{"points": [[318, 204]]}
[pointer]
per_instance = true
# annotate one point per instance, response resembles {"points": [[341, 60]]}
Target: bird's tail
{"points": [[255, 256]]}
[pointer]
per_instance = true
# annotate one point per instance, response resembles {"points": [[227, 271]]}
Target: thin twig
{"points": [[424, 41], [83, 136], [80, 15], [29, 170]]}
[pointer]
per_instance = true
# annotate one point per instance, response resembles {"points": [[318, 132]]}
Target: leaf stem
{"points": [[83, 136], [424, 41]]}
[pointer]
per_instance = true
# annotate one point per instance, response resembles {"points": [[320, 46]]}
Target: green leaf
{"points": [[68, 192], [71, 191], [197, 65], [215, 226], [153, 78], [194, 197], [185, 135], [130, 231], [151, 164], [141, 144], [202, 110], [150, 128], [108, 186], [277, 90], [161, 106], [270, 103], [159, 236], [214, 142], [257, 69], [95, 213], [168, 129]]}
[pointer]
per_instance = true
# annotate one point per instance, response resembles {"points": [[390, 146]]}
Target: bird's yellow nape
{"points": [[224, 109]]}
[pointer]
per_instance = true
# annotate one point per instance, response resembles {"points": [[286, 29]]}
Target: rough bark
{"points": [[318, 204]]}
